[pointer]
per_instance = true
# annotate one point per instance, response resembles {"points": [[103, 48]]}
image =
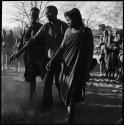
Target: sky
{"points": [[8, 10]]}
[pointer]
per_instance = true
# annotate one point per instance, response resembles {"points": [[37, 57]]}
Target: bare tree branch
{"points": [[31, 4], [43, 10], [98, 23], [40, 5], [18, 7], [26, 12], [17, 20]]}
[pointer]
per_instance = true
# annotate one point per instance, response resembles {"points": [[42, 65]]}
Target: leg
{"points": [[6, 61], [32, 88], [100, 68], [71, 112], [58, 87], [2, 63], [18, 64], [57, 73], [83, 92], [47, 99]]}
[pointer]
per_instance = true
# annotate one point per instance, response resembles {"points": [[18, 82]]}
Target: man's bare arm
{"points": [[39, 36]]}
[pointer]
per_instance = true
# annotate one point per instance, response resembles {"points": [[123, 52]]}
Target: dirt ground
{"points": [[103, 103]]}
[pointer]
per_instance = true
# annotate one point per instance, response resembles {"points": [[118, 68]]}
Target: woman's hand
{"points": [[49, 65]]}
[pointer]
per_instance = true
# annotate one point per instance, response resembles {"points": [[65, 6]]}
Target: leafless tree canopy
{"points": [[113, 13], [24, 10]]}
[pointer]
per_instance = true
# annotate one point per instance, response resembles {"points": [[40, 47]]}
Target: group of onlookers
{"points": [[111, 49]]}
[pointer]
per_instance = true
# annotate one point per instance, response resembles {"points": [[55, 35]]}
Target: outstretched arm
{"points": [[59, 53], [39, 36]]}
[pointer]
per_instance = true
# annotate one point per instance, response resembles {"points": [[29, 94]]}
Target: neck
{"points": [[54, 21]]}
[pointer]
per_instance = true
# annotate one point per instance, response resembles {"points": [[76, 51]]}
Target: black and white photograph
{"points": [[62, 62]]}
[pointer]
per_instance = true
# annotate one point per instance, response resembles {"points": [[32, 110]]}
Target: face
{"points": [[69, 21], [101, 28], [50, 14], [34, 15]]}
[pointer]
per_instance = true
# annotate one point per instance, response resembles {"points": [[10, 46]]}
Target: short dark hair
{"points": [[102, 26], [74, 14], [35, 9], [53, 8]]}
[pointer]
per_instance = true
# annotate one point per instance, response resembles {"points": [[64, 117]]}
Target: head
{"points": [[73, 18], [34, 14], [51, 13], [102, 27]]}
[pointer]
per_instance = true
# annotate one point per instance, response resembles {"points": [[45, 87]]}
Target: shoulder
{"points": [[46, 25], [87, 29]]}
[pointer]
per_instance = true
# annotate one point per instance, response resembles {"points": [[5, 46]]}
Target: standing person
{"points": [[57, 30], [102, 48], [52, 33], [75, 53], [34, 56], [8, 46]]}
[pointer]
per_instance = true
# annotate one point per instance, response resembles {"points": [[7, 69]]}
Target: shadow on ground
{"points": [[103, 103]]}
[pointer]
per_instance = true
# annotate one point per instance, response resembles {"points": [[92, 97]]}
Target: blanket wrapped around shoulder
{"points": [[74, 66]]}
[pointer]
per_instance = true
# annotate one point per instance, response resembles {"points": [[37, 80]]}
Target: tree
{"points": [[24, 11], [114, 15], [90, 12]]}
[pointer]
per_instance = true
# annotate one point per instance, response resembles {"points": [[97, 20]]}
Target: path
{"points": [[103, 103]]}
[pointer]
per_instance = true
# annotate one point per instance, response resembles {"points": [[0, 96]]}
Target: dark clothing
{"points": [[35, 51], [35, 56], [52, 34], [76, 51]]}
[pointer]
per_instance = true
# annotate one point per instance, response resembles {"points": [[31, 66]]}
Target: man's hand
{"points": [[13, 57]]}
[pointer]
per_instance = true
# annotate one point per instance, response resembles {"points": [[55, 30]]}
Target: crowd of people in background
{"points": [[9, 45], [111, 50]]}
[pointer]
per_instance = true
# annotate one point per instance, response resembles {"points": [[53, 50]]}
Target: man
{"points": [[75, 54], [34, 56], [52, 33], [116, 48]]}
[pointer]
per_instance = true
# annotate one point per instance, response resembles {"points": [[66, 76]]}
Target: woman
{"points": [[75, 53]]}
